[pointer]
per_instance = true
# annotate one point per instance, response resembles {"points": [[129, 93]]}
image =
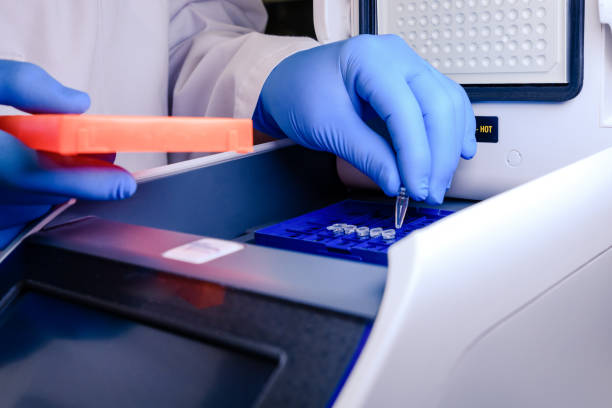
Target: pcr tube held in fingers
{"points": [[401, 205]]}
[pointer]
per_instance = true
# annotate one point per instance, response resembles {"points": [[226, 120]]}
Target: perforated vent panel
{"points": [[484, 41]]}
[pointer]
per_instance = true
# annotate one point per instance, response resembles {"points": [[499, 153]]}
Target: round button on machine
{"points": [[514, 158]]}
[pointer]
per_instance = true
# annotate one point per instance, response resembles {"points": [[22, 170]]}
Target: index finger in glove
{"points": [[445, 118], [30, 88], [394, 102]]}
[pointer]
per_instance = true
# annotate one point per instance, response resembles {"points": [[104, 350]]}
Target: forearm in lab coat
{"points": [[219, 58]]}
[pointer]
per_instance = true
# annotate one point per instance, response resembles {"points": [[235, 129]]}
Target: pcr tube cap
{"points": [[388, 234], [363, 232], [376, 232]]}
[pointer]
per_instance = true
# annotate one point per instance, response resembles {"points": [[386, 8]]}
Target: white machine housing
{"points": [[535, 138], [507, 302], [503, 304]]}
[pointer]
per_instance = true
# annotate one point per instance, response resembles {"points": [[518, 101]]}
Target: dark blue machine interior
{"points": [[308, 232], [57, 353]]}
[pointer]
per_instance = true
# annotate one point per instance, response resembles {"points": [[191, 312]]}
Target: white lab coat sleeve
{"points": [[219, 59]]}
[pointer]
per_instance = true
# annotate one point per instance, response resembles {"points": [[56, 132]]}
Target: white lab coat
{"points": [[150, 57]]}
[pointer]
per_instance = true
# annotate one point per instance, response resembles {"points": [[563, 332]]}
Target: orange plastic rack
{"points": [[76, 134]]}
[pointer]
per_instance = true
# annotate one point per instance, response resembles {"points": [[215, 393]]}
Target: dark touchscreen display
{"points": [[56, 353]]}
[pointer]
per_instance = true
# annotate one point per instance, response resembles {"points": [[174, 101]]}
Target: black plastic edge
{"points": [[207, 336], [213, 338], [368, 20]]}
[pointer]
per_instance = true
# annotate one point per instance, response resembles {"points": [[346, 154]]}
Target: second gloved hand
{"points": [[323, 97], [30, 181]]}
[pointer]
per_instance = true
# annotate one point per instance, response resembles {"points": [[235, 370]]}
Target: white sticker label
{"points": [[202, 250]]}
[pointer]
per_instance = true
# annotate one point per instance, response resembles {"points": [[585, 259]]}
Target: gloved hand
{"points": [[322, 98], [30, 181]]}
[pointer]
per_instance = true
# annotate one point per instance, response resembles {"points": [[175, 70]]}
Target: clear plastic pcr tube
{"points": [[401, 205], [336, 229], [349, 229], [363, 232], [376, 232], [388, 234]]}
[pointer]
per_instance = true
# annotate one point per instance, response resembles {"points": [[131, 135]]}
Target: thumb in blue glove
{"points": [[323, 97], [30, 181]]}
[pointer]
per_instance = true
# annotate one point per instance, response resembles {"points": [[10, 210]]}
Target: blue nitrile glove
{"points": [[30, 181], [322, 97]]}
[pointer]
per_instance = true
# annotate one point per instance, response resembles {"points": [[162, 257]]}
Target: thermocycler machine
{"points": [[505, 302], [166, 299]]}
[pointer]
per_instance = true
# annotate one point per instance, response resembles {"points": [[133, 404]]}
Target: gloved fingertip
{"points": [[468, 156], [390, 186], [437, 190], [390, 191], [468, 150], [126, 188], [418, 191], [436, 197], [418, 195], [433, 201], [76, 101], [122, 186], [384, 174], [449, 184]]}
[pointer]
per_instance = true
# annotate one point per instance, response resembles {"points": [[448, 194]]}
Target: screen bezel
{"points": [[227, 342]]}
